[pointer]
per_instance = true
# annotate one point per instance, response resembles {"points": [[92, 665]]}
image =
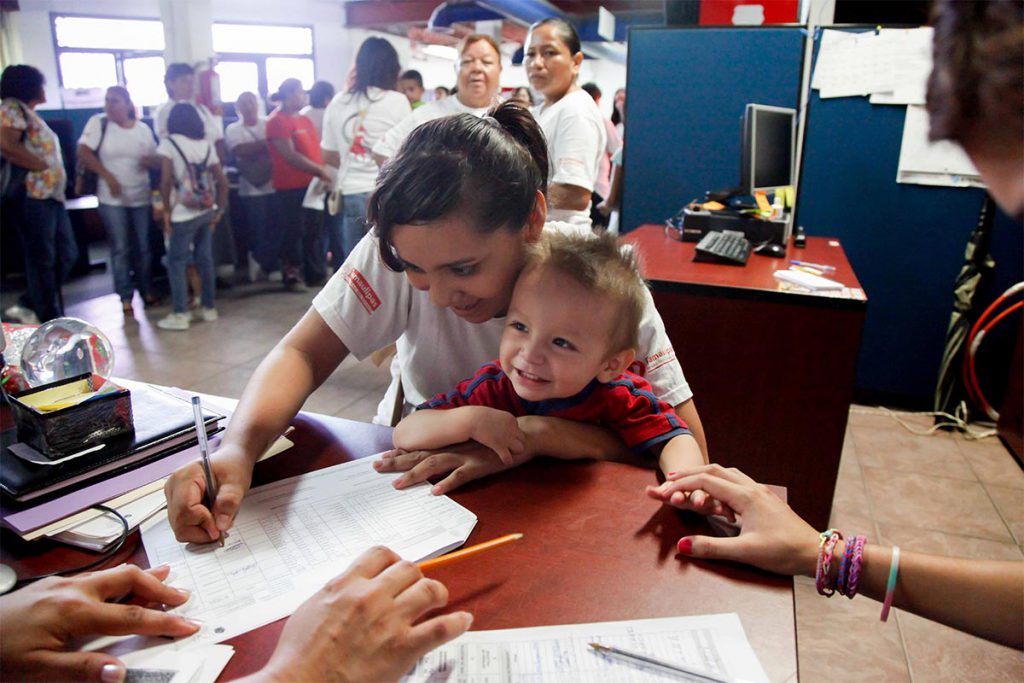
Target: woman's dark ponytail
{"points": [[486, 170], [518, 122]]}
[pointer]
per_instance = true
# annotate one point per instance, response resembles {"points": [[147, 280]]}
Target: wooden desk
{"points": [[595, 550], [772, 371]]}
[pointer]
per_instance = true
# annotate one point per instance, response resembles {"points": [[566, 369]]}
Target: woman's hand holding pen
{"points": [[40, 621], [186, 489], [772, 536]]}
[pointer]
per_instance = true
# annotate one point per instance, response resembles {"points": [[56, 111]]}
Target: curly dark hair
{"points": [[978, 78]]}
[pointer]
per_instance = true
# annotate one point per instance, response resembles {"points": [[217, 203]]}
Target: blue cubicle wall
{"points": [[687, 88], [905, 242]]}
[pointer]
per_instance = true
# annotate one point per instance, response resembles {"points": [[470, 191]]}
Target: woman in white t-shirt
{"points": [[453, 215], [120, 150], [570, 120], [192, 183], [354, 121]]}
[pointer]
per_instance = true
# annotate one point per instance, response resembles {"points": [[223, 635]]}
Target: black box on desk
{"points": [[698, 223], [64, 431]]}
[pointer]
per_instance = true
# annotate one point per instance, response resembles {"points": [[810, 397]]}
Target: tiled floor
{"points": [[941, 494]]}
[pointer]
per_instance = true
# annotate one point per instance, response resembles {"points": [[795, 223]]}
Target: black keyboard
{"points": [[729, 247]]}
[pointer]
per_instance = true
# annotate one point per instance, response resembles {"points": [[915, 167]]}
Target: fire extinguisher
{"points": [[209, 89]]}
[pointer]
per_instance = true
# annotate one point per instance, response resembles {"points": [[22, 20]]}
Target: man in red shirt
{"points": [[295, 157]]}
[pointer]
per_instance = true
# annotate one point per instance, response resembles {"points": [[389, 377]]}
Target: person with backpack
{"points": [[118, 150], [247, 141], [193, 185]]}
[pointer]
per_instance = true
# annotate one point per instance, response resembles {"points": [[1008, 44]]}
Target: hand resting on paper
{"points": [[38, 622], [365, 625], [462, 463], [185, 490]]}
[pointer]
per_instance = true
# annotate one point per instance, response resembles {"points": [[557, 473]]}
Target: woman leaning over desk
{"points": [[463, 199], [570, 120], [974, 98]]}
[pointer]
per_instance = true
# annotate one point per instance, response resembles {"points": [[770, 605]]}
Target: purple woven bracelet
{"points": [[858, 544]]}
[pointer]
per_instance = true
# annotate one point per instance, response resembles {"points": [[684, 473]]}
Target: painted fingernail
{"points": [[670, 474], [183, 593], [685, 546], [112, 673], [193, 622]]}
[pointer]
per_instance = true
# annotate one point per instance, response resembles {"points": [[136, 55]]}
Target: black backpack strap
{"points": [[188, 166], [103, 133]]}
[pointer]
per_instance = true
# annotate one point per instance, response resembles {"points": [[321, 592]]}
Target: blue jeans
{"points": [[189, 235], [354, 224], [128, 227], [50, 252], [258, 225]]}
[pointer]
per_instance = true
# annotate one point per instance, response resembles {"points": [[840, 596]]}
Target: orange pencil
{"points": [[466, 552]]}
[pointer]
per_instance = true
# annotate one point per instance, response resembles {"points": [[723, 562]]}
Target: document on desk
{"points": [[715, 644], [292, 536]]}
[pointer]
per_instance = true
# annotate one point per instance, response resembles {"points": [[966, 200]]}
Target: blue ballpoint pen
{"points": [[819, 266], [204, 451]]}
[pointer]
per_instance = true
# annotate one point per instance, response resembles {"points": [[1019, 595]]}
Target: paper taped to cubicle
{"points": [[714, 643], [292, 536]]}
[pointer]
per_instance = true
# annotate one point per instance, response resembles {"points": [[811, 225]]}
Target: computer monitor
{"points": [[767, 149]]}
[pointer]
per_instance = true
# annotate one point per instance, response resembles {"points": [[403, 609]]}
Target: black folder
{"points": [[164, 424]]}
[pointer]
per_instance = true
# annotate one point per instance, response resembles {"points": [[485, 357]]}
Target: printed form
{"points": [[292, 536], [715, 644]]}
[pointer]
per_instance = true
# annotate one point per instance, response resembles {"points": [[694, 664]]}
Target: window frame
{"points": [[260, 58]]}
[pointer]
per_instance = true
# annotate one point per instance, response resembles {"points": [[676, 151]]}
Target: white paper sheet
{"points": [[292, 536], [892, 66], [168, 665], [714, 643], [932, 163]]}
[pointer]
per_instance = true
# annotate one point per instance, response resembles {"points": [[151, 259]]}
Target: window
{"points": [[97, 52]]}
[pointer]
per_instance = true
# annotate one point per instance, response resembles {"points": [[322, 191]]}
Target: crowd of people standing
{"points": [[304, 172]]}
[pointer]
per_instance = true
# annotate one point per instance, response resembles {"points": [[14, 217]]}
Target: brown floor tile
{"points": [[992, 462], [934, 503], [850, 494], [1010, 504], [842, 640], [362, 409], [894, 448], [950, 545], [852, 523], [939, 653]]}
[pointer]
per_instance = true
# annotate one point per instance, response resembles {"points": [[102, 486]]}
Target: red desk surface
{"points": [[668, 261], [595, 549]]}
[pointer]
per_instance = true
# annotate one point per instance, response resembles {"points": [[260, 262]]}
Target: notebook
{"points": [[163, 425]]}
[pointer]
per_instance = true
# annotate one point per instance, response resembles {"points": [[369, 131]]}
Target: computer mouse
{"points": [[770, 249]]}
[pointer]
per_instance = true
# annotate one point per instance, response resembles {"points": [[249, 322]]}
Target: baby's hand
{"points": [[697, 500], [499, 431]]}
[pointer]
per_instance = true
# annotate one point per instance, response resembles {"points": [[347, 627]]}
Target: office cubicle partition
{"points": [[686, 92], [905, 242]]}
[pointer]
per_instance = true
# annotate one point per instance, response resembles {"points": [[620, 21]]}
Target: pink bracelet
{"points": [[828, 545], [890, 587]]}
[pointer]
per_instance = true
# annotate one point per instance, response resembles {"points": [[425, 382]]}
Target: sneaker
{"points": [[296, 286], [274, 276], [207, 314], [20, 314], [175, 321]]}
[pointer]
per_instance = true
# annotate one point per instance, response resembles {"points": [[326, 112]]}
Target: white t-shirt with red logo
{"points": [[369, 306]]}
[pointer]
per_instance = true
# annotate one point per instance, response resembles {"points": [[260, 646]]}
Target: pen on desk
{"points": [[204, 451], [820, 266], [466, 552], [651, 661]]}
